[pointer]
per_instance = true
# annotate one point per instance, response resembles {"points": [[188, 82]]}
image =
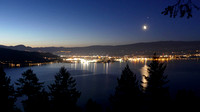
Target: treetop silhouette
{"points": [[156, 80], [7, 93], [29, 84], [127, 93], [63, 92], [182, 8]]}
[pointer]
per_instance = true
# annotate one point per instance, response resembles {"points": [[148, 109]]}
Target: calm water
{"points": [[98, 80]]}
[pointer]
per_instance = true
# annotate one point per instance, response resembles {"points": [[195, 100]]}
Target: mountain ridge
{"points": [[10, 56], [142, 48]]}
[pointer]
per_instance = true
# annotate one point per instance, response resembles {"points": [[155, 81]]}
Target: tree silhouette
{"points": [[127, 93], [186, 101], [92, 106], [182, 7], [39, 102], [7, 93], [63, 92], [30, 86], [156, 89]]}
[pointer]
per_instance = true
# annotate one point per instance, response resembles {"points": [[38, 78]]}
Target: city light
{"points": [[135, 59]]}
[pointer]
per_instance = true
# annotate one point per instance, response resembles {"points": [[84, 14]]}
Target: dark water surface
{"points": [[98, 80]]}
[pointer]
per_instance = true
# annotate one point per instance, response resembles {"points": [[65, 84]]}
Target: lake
{"points": [[98, 80]]}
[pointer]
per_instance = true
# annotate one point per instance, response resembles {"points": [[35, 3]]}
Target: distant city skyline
{"points": [[77, 23]]}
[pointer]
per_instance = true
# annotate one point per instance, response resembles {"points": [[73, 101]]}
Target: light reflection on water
{"points": [[98, 80], [95, 67], [144, 73], [106, 68]]}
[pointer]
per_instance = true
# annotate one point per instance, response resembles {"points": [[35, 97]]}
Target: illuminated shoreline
{"points": [[104, 59], [113, 59]]}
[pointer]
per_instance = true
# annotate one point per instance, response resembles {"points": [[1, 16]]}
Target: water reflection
{"points": [[95, 67], [84, 66], [75, 66], [105, 68], [107, 65], [99, 87], [90, 67], [144, 72]]}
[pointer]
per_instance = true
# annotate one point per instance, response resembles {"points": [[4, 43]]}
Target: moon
{"points": [[144, 27]]}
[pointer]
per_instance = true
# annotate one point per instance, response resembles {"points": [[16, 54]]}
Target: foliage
{"points": [[63, 92], [181, 7], [156, 79], [157, 92], [92, 106], [186, 100], [127, 93], [7, 98], [30, 86], [39, 102]]}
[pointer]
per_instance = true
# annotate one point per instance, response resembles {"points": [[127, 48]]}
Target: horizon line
{"points": [[100, 44]]}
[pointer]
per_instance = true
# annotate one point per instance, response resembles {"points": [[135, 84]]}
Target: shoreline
{"points": [[19, 65]]}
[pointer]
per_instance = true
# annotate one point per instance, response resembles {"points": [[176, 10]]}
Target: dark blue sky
{"points": [[91, 22]]}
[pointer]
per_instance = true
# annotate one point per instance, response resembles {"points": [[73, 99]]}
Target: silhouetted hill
{"points": [[147, 48], [15, 56]]}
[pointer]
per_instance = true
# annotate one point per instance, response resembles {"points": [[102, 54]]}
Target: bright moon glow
{"points": [[145, 27]]}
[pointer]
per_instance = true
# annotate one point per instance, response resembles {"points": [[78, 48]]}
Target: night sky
{"points": [[70, 23]]}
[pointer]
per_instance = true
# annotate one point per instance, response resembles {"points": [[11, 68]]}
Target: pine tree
{"points": [[7, 98], [156, 90], [92, 106], [64, 94], [186, 101], [30, 86], [127, 93], [156, 80]]}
